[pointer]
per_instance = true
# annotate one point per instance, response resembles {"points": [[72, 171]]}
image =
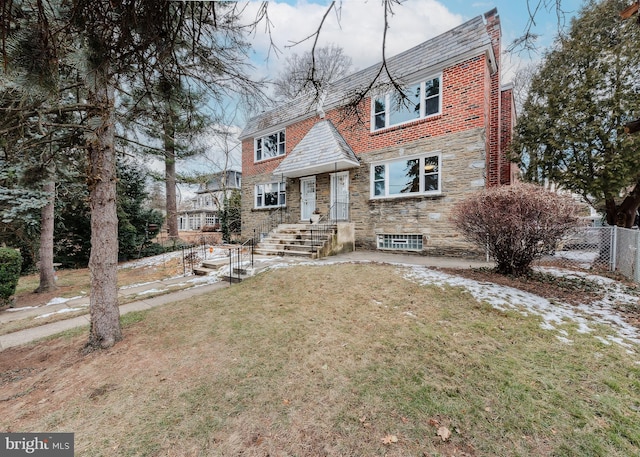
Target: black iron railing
{"points": [[189, 258], [276, 217], [324, 229], [240, 260]]}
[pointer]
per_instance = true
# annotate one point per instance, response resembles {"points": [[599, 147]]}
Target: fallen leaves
{"points": [[389, 439], [444, 433]]}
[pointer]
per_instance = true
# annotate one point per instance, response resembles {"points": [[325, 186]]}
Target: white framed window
{"points": [[270, 195], [421, 100], [210, 219], [269, 146], [400, 242], [408, 176], [195, 222]]}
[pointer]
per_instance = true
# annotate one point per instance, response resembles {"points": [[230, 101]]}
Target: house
{"points": [[391, 175], [201, 213]]}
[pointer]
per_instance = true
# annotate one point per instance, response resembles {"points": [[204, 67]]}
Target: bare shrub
{"points": [[517, 224]]}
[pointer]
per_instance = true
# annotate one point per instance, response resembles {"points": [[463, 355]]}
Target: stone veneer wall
{"points": [[463, 173]]}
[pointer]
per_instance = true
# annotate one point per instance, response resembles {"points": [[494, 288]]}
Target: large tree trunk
{"points": [[624, 214], [105, 328], [47, 274], [170, 180]]}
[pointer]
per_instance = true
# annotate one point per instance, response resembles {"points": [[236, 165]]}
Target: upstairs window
{"points": [[418, 175], [269, 146], [420, 101]]}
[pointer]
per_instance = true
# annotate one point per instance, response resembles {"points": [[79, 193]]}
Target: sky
{"points": [[358, 24]]}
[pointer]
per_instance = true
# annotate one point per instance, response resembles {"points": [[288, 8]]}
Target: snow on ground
{"points": [[553, 315], [60, 300], [156, 260], [61, 311], [151, 261]]}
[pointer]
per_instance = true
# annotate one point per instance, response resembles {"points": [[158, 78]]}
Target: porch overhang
{"points": [[317, 169], [322, 150]]}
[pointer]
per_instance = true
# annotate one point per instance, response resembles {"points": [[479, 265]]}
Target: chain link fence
{"points": [[599, 249]]}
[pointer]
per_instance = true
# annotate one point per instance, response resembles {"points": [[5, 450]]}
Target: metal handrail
{"points": [[322, 228], [240, 258], [276, 217]]}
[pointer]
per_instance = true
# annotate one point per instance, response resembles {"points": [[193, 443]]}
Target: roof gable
{"points": [[322, 150]]}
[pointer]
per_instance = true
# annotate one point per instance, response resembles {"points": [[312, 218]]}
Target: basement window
{"points": [[400, 242]]}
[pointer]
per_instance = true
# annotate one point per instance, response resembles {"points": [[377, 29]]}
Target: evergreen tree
{"points": [[571, 131], [114, 45], [169, 112]]}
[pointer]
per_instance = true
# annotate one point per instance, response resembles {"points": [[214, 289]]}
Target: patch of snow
{"points": [[151, 261], [60, 300], [564, 340], [553, 314], [150, 291], [22, 308], [60, 311]]}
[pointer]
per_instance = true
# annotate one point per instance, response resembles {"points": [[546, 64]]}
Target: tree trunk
{"points": [[105, 328], [47, 274], [170, 180], [624, 214]]}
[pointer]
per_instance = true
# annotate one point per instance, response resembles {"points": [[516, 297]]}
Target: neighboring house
{"points": [[202, 212], [394, 174]]}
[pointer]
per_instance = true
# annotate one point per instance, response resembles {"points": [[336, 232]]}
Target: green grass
{"points": [[329, 360]]}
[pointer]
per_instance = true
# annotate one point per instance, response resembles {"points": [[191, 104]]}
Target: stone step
{"points": [[283, 252], [296, 240], [292, 241], [288, 247]]}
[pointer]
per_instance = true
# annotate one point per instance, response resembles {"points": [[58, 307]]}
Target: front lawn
{"points": [[335, 360]]}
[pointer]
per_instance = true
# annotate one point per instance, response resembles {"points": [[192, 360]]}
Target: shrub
{"points": [[517, 224], [10, 266]]}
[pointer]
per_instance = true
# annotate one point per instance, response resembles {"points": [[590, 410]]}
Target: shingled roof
{"points": [[465, 41], [322, 150]]}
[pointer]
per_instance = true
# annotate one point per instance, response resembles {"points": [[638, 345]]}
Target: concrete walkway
{"points": [[200, 285]]}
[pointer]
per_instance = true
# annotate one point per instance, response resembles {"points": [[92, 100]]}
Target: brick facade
{"points": [[470, 134]]}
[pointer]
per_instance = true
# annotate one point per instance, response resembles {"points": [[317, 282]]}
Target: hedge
{"points": [[10, 266]]}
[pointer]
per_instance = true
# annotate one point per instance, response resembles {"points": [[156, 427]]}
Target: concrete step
{"points": [[203, 271], [214, 264]]}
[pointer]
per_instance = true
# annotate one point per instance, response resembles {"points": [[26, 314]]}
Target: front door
{"points": [[340, 196], [307, 197]]}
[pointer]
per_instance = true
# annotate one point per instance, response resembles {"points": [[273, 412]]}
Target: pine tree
{"points": [[113, 44]]}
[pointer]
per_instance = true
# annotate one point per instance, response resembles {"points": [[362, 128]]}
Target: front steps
{"points": [[296, 240], [240, 271]]}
